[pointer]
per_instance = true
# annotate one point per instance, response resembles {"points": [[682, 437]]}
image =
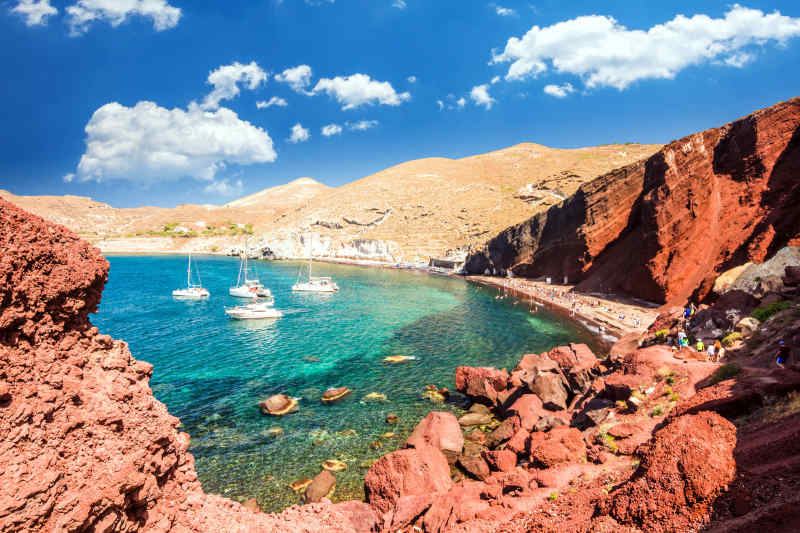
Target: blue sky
{"points": [[156, 102]]}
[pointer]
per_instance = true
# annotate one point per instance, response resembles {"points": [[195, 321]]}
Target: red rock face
{"points": [[84, 446], [664, 228]]}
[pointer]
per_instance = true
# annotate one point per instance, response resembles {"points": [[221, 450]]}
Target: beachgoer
{"points": [[710, 351], [783, 354], [700, 346]]}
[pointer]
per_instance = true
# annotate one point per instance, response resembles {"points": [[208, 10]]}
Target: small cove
{"points": [[211, 372]]}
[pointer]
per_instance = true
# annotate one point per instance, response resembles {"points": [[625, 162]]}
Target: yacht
{"points": [[314, 284], [192, 291], [245, 286], [255, 310]]}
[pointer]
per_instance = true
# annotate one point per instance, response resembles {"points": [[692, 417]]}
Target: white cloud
{"points": [[274, 101], [68, 177], [504, 11], [148, 143], [226, 80], [224, 188], [298, 77], [739, 59], [440, 104], [412, 79], [362, 125], [299, 134], [605, 53], [399, 4], [35, 13], [331, 129], [495, 80], [84, 12], [480, 95], [461, 102], [359, 89], [559, 91]]}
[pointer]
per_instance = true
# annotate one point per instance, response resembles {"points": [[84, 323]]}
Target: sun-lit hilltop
{"points": [[409, 212]]}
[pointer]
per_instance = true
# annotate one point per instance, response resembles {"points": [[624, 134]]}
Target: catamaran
{"points": [[245, 286], [255, 310], [192, 291], [314, 284]]}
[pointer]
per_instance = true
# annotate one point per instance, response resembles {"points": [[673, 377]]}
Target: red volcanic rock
{"points": [[504, 431], [686, 465], [474, 465], [619, 386], [550, 389], [502, 460], [537, 363], [663, 229], [529, 409], [422, 470], [321, 486], [84, 446], [559, 445], [440, 430], [481, 383], [518, 443]]}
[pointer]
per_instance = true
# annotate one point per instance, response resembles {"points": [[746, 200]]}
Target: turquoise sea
{"points": [[211, 371]]}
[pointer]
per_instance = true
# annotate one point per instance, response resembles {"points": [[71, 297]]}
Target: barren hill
{"points": [[409, 212]]}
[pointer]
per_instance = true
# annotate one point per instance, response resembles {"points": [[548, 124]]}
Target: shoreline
{"points": [[608, 319]]}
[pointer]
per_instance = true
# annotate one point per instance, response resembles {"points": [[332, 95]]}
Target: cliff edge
{"points": [[84, 445], [664, 228]]}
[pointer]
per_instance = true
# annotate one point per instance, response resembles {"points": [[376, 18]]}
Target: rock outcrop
{"points": [[662, 229], [84, 445]]}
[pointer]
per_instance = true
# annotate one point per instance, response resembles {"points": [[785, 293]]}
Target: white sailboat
{"points": [[248, 287], [255, 310], [314, 284], [192, 291]]}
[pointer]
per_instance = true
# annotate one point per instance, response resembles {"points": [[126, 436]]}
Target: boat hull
{"points": [[190, 294]]}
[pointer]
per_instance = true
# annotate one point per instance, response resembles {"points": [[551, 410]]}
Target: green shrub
{"points": [[662, 334], [169, 226], [674, 397], [553, 496], [731, 338], [765, 312], [658, 411], [726, 371], [607, 441]]}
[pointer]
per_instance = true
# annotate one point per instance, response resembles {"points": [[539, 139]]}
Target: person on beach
{"points": [[783, 354], [718, 350], [700, 346], [710, 351]]}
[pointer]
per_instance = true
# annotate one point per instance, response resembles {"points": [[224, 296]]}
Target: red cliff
{"points": [[84, 445], [664, 228]]}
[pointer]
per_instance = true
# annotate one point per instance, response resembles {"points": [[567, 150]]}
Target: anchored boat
{"points": [[247, 287], [314, 284], [255, 310], [192, 291]]}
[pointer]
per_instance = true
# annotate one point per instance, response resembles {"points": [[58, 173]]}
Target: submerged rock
{"points": [[374, 397], [335, 394], [334, 465], [395, 359], [474, 419], [300, 485], [322, 486], [278, 405]]}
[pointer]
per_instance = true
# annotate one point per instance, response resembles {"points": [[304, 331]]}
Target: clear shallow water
{"points": [[211, 371]]}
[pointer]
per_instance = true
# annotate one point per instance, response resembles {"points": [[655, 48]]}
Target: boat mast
{"points": [[310, 255], [189, 272]]}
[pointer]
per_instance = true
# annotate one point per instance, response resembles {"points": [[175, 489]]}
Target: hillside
{"points": [[409, 212], [663, 229]]}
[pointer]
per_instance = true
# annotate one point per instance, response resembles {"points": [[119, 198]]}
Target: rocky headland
{"points": [[664, 228], [648, 437]]}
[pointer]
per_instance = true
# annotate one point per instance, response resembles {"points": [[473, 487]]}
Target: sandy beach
{"points": [[608, 316]]}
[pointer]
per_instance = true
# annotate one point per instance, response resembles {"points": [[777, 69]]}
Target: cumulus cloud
{"points": [[331, 129], [739, 59], [299, 134], [224, 188], [68, 177], [559, 91], [227, 78], [361, 125], [603, 52], [461, 102], [359, 89], [148, 143], [34, 13], [412, 79], [298, 78], [399, 4], [496, 79], [440, 104], [480, 95], [274, 101], [84, 12]]}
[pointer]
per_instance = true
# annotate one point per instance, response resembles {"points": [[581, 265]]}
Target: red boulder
{"points": [[440, 430]]}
